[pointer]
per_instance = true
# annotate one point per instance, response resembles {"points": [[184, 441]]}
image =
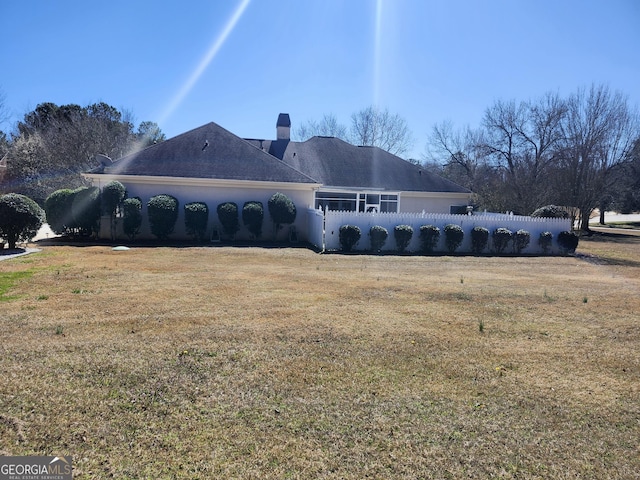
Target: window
{"points": [[357, 202], [336, 201], [389, 203]]}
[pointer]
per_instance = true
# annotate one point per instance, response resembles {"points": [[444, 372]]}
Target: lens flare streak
{"points": [[206, 60]]}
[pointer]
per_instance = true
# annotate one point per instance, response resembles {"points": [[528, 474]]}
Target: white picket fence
{"points": [[315, 228], [333, 220]]}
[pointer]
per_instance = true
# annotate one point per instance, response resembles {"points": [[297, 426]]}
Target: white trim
{"points": [[103, 178], [412, 194]]}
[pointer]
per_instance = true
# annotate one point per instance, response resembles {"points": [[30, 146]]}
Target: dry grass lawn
{"points": [[282, 363]]}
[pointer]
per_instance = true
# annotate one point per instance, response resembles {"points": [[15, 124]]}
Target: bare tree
{"points": [[624, 192], [460, 156], [54, 144], [379, 128], [599, 134], [458, 152], [328, 126], [523, 140]]}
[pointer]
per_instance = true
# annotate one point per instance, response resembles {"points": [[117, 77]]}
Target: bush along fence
{"points": [[493, 234], [110, 214]]}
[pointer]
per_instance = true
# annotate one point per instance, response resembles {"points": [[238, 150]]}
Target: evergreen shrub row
{"points": [[503, 239], [77, 212]]}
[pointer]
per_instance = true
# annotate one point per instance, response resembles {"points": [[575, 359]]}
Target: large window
{"points": [[357, 202], [336, 201]]}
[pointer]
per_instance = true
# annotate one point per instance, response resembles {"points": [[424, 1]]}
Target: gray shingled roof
{"points": [[209, 151], [336, 163]]}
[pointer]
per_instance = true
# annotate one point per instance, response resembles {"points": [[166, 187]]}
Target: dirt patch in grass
{"points": [[283, 363]]}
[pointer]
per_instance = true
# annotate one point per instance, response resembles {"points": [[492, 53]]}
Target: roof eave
{"points": [[103, 178]]}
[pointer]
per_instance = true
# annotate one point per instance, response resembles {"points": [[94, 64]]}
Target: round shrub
{"points": [[196, 218], [85, 208], [501, 239], [228, 216], [479, 239], [453, 236], [521, 240], [349, 235], [57, 207], [568, 242], [252, 217], [20, 218], [550, 211], [132, 217], [163, 213], [282, 210], [429, 236], [378, 236], [402, 235], [112, 195], [544, 241]]}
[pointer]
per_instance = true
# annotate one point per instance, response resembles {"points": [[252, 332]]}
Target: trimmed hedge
{"points": [[501, 239], [378, 236], [521, 240], [402, 235], [85, 208], [20, 218], [163, 213], [550, 211], [544, 241], [132, 217], [429, 236], [479, 239], [113, 194], [252, 217], [228, 217], [349, 235], [196, 219], [57, 207], [568, 242], [282, 210], [453, 236]]}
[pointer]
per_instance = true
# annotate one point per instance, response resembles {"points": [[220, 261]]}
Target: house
{"points": [[362, 178], [212, 165]]}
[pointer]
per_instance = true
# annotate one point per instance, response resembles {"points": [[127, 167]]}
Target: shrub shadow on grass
{"points": [[604, 258], [151, 243]]}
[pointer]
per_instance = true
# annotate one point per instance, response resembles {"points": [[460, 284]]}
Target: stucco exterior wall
{"points": [[213, 193], [417, 202]]}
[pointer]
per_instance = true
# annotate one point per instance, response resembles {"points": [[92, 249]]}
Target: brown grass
{"points": [[283, 363]]}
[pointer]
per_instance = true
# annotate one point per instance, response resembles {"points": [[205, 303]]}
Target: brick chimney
{"points": [[283, 127]]}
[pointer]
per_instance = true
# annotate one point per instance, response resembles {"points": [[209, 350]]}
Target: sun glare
{"points": [[205, 61], [377, 53]]}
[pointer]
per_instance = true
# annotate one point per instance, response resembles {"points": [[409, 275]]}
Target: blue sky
{"points": [[240, 63]]}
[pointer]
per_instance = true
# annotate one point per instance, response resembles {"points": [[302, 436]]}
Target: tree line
{"points": [[370, 126], [581, 151], [52, 145]]}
